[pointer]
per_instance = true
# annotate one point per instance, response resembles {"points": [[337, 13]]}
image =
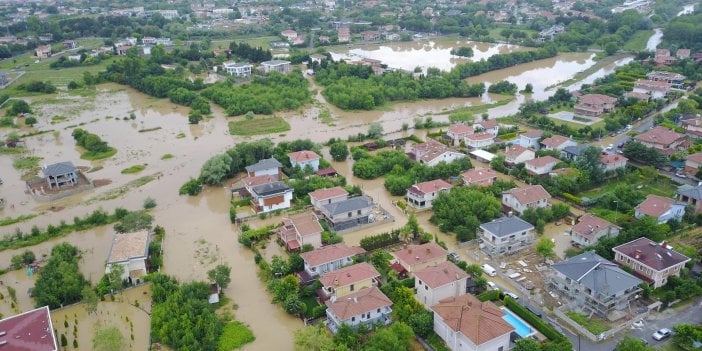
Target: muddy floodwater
{"points": [[423, 53]]}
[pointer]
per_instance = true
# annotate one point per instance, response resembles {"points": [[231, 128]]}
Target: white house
{"points": [[130, 250], [516, 154], [613, 162], [479, 140], [489, 126], [268, 166], [435, 283], [506, 235], [519, 199], [590, 229], [328, 258], [466, 324], [321, 197], [655, 89], [456, 132], [541, 165], [432, 152], [270, 196], [662, 208], [531, 139], [557, 142], [304, 158], [365, 307], [421, 195], [279, 66], [237, 69]]}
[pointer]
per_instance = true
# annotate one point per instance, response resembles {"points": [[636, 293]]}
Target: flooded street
{"points": [[655, 39]]}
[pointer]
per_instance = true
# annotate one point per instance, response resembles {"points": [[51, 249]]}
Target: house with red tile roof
{"points": [[289, 34], [693, 163], [321, 197], [693, 127], [661, 208], [422, 194], [519, 199], [653, 262], [347, 280], [328, 258], [435, 283], [370, 35], [479, 177], [344, 35], [487, 126], [590, 229], [299, 230], [432, 152], [668, 77], [541, 165], [28, 331], [613, 162], [516, 154], [479, 140], [662, 139], [638, 96], [682, 53], [457, 132], [594, 105], [557, 142], [465, 323], [365, 307], [305, 158], [416, 257], [654, 89]]}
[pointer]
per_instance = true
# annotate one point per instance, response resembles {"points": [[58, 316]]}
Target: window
{"points": [[426, 287], [358, 212], [379, 310], [329, 201], [352, 287], [353, 319], [501, 348], [350, 214]]}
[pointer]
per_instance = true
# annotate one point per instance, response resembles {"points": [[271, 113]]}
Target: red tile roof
{"points": [[529, 194], [328, 193], [349, 275], [28, 331], [363, 301], [658, 257], [480, 322], [691, 122], [421, 253], [590, 224], [652, 85], [259, 180], [695, 157], [489, 124], [460, 129], [478, 175], [303, 156], [683, 53], [441, 274], [515, 150], [597, 99], [430, 150], [655, 205], [430, 187], [554, 141], [659, 135], [329, 253], [540, 162], [612, 158], [533, 134], [480, 136], [303, 223]]}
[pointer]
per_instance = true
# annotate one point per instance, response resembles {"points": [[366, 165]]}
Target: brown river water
{"points": [[198, 233]]}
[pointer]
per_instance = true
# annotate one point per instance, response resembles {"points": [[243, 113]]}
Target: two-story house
{"points": [[466, 324], [349, 213], [661, 208], [519, 199], [506, 235], [279, 66], [60, 175], [299, 230], [416, 257], [479, 177], [130, 250], [321, 197], [479, 140], [289, 34], [593, 284], [662, 139], [690, 195], [365, 307], [676, 79], [270, 196], [594, 105], [651, 261], [304, 158], [422, 194], [557, 142], [573, 152], [237, 69], [693, 163], [613, 162], [347, 280], [541, 165], [435, 283], [268, 166], [432, 152], [531, 139], [590, 229], [654, 89], [456, 133], [327, 259], [487, 126], [693, 127], [516, 154]]}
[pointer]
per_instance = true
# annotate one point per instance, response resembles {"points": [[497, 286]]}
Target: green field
{"points": [[133, 169], [94, 156], [257, 126], [662, 187], [638, 40]]}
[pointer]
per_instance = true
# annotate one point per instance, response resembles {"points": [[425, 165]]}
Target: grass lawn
{"points": [[662, 187], [93, 156], [10, 220], [133, 169], [478, 109], [256, 126], [235, 335], [638, 40], [27, 162], [593, 325]]}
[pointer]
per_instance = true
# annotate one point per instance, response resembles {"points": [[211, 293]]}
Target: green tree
{"points": [[528, 89], [611, 48], [375, 130], [134, 221], [108, 339], [631, 344], [339, 151], [90, 300], [60, 281], [220, 275], [18, 107], [527, 344], [463, 209], [590, 163], [315, 338], [544, 248], [685, 334], [422, 323], [115, 277], [396, 337], [216, 169], [30, 121], [149, 202]]}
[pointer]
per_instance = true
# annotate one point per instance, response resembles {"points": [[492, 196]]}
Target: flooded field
{"points": [[423, 53]]}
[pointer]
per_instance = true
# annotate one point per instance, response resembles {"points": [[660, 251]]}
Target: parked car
{"points": [[680, 175], [454, 257], [492, 286], [512, 295], [661, 334], [644, 341], [610, 147]]}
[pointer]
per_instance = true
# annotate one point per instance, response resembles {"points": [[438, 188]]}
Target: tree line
{"points": [[247, 52]]}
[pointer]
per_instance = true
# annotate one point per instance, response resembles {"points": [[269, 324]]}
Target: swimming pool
{"points": [[521, 327]]}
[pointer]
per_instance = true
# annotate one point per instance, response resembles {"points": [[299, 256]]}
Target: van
{"points": [[489, 270]]}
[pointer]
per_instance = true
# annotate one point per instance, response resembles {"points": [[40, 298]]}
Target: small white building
{"points": [[661, 208], [479, 140], [613, 162], [267, 166], [433, 152], [435, 283], [479, 177], [422, 194], [304, 158], [557, 142], [516, 154], [541, 165], [519, 199], [531, 139], [489, 126], [237, 69], [130, 250]]}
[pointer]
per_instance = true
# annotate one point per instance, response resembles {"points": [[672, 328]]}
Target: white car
{"points": [[680, 175], [492, 286], [661, 334], [512, 295]]}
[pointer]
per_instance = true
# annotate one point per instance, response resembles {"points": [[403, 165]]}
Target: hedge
{"points": [[490, 295], [508, 136], [534, 320], [572, 198], [374, 242]]}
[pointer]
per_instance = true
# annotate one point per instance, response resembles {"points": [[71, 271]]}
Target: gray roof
{"points": [[263, 165], [694, 192], [575, 150], [352, 204], [596, 273], [506, 225], [59, 169], [270, 189], [275, 62]]}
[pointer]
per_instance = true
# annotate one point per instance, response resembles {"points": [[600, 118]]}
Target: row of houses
{"points": [[242, 69]]}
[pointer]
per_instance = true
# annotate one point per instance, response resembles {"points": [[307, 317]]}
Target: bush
{"points": [[192, 187], [149, 202], [30, 121], [378, 241], [490, 295], [572, 198], [232, 214], [234, 335]]}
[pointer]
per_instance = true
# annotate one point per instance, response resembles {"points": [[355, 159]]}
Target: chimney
{"points": [[637, 254], [664, 245], [428, 250], [355, 299]]}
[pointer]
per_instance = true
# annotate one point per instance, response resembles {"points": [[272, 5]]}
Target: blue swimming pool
{"points": [[521, 327]]}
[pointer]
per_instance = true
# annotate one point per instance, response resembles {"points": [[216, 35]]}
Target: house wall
{"points": [[477, 144], [419, 266], [497, 246], [697, 204], [369, 317], [676, 212], [691, 166], [539, 170], [328, 267], [131, 265], [484, 182], [511, 202], [431, 296], [613, 166], [660, 278], [275, 172], [562, 146], [655, 94], [415, 200], [351, 215], [318, 204], [347, 289], [525, 156], [447, 157], [313, 239], [313, 163], [287, 197], [529, 142], [604, 233]]}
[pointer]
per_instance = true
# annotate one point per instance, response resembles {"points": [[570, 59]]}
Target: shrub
{"points": [[572, 198], [490, 295], [30, 121], [149, 202], [373, 242], [234, 335], [192, 187]]}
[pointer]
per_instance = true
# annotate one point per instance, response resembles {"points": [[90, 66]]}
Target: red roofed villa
{"points": [[479, 177], [422, 194], [661, 208], [28, 331], [613, 162], [327, 196], [457, 132], [590, 229], [304, 158], [516, 154], [416, 257], [541, 165], [662, 139], [327, 259], [299, 230], [593, 105], [557, 142], [348, 280], [435, 283], [519, 199], [366, 306], [650, 261]]}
